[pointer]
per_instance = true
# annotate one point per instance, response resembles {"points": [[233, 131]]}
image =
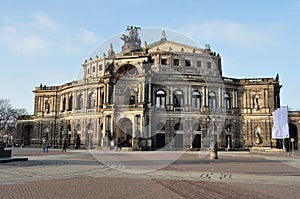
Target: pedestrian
{"points": [[64, 148], [45, 147]]}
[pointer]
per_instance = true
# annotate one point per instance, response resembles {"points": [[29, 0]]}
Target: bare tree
{"points": [[9, 117]]}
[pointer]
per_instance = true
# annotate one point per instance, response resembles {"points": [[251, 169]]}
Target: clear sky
{"points": [[47, 41]]}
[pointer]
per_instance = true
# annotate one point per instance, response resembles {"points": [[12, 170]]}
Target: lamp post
{"points": [[228, 129], [213, 145]]}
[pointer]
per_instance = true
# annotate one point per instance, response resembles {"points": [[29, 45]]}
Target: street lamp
{"points": [[213, 146], [228, 130]]}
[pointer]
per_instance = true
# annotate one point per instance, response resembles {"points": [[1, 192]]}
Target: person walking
{"points": [[45, 146], [64, 148]]}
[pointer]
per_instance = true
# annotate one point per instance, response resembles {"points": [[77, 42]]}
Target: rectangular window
{"points": [[187, 62], [163, 61], [88, 71], [176, 62], [100, 67], [209, 65], [199, 63], [94, 69]]}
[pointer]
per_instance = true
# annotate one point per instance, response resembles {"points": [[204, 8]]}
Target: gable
{"points": [[170, 46]]}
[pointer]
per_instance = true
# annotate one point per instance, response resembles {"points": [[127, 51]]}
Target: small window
{"points": [[176, 62], [199, 63], [163, 61], [187, 62], [94, 69], [100, 67], [88, 71], [209, 65]]}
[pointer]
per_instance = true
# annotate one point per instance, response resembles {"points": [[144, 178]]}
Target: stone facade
{"points": [[165, 95]]}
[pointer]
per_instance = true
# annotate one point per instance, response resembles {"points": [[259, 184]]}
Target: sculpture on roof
{"points": [[132, 41]]}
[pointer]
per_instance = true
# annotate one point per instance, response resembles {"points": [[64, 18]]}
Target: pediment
{"points": [[171, 46]]}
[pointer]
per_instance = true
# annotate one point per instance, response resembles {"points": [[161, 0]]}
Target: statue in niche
{"points": [[258, 137], [255, 102]]}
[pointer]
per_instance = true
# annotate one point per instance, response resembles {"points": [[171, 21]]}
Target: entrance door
{"points": [[196, 141], [124, 132], [179, 141], [160, 140], [26, 136], [293, 130], [228, 141]]}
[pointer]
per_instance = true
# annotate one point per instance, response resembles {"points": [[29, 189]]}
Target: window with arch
{"points": [[92, 100], [64, 104], [178, 127], [212, 100], [196, 127], [70, 103], [227, 102], [160, 127], [80, 102], [47, 106], [160, 99], [102, 98], [196, 100], [178, 99]]}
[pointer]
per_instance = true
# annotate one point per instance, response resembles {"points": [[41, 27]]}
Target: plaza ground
{"points": [[111, 174]]}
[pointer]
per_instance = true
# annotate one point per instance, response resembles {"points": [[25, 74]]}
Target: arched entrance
{"points": [[228, 137], [293, 130], [89, 136], [124, 132], [69, 134], [196, 136], [160, 137], [178, 136], [26, 135], [77, 136]]}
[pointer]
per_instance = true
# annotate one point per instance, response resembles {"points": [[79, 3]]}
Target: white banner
{"points": [[281, 127]]}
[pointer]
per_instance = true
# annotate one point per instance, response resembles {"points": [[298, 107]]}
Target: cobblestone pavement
{"points": [[107, 174]]}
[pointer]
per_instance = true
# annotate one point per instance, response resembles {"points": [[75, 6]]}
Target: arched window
{"points": [[227, 103], [178, 99], [47, 106], [92, 101], [70, 103], [196, 100], [160, 99], [178, 127], [160, 127], [80, 102], [196, 127], [212, 100], [64, 105]]}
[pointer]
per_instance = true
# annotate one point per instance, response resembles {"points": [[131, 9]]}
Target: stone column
{"points": [[143, 92], [67, 102], [134, 138], [233, 99], [220, 104], [203, 97], [171, 97], [149, 93], [206, 96]]}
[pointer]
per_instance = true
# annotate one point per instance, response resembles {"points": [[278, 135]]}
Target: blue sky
{"points": [[47, 41]]}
